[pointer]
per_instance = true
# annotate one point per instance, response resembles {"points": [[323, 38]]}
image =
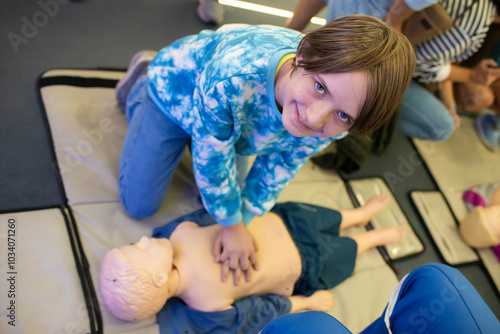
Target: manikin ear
{"points": [[160, 279]]}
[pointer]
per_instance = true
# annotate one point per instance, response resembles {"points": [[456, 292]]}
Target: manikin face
{"points": [[150, 254], [321, 105]]}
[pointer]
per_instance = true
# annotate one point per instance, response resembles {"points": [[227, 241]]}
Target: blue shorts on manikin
{"points": [[327, 260], [432, 299]]}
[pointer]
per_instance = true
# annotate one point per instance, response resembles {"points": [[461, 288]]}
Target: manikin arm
{"points": [[253, 313], [248, 315], [321, 300]]}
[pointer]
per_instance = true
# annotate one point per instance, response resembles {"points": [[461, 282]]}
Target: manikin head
{"points": [[133, 279], [481, 227]]}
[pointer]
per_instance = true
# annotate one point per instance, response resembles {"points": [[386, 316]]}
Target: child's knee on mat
{"points": [[138, 210]]}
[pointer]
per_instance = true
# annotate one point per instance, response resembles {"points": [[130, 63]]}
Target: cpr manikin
{"points": [[481, 227], [136, 280]]}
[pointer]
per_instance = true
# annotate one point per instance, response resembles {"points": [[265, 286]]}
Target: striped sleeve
{"points": [[435, 56]]}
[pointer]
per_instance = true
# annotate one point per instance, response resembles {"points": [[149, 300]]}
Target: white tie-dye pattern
{"points": [[228, 112]]}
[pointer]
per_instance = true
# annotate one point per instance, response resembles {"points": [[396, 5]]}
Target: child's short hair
{"points": [[128, 292], [363, 43]]}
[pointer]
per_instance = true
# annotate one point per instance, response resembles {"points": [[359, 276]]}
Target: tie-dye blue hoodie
{"points": [[219, 87]]}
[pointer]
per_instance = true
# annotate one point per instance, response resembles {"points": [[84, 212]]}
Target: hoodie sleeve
{"points": [[215, 131]]}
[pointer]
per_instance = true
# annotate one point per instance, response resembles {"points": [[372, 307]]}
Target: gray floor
{"points": [[47, 34]]}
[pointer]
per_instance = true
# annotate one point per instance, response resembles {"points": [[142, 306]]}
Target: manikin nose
{"points": [[143, 242]]}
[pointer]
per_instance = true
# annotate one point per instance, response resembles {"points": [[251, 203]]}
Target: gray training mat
{"points": [[457, 164], [391, 215], [88, 130], [443, 227]]}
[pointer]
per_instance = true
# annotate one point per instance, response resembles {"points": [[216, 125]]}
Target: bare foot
{"points": [[381, 237], [390, 235], [321, 300], [372, 207]]}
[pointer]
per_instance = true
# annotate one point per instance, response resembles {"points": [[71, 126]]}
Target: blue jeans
{"points": [[151, 152], [423, 115], [153, 147], [432, 299]]}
